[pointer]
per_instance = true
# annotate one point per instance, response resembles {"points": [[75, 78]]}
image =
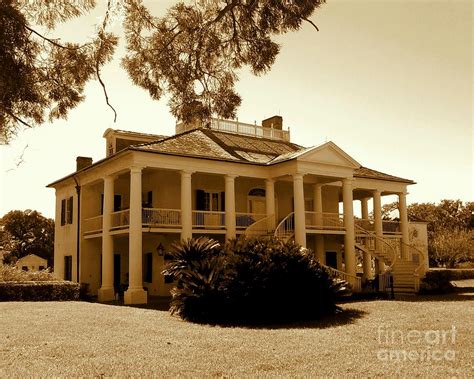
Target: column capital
{"points": [[110, 177], [347, 182], [136, 169], [270, 180], [298, 175], [186, 172], [377, 191], [230, 176]]}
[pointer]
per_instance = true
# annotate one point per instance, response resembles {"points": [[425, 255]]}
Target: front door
{"points": [[117, 272], [331, 259]]}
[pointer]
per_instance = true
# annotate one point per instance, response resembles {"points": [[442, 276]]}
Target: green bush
{"points": [[439, 280], [249, 281], [39, 291]]}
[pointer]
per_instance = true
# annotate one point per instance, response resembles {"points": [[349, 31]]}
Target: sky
{"points": [[390, 82]]}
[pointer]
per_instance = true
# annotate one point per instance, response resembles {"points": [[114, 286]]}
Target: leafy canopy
{"points": [[27, 232], [191, 54]]}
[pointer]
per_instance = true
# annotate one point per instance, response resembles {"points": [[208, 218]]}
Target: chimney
{"points": [[83, 162], [275, 122]]}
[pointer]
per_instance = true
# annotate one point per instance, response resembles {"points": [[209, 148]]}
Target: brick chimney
{"points": [[83, 162], [275, 122]]}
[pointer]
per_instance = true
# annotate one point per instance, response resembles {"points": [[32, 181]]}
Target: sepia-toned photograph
{"points": [[236, 188]]}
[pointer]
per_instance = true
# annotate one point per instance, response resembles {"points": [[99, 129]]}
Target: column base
{"points": [[136, 296], [106, 294]]}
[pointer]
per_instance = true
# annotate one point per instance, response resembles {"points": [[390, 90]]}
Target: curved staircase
{"points": [[405, 271]]}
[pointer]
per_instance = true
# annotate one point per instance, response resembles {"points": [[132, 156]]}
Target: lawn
{"points": [[89, 339]]}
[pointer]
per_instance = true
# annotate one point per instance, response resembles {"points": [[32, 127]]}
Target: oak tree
{"points": [[192, 54]]}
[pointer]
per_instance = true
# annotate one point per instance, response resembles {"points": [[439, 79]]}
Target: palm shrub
{"points": [[199, 270], [249, 280]]}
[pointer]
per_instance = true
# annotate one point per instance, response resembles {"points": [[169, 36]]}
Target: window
{"points": [[24, 268], [66, 211], [68, 267], [147, 199], [41, 268], [117, 203], [148, 271], [210, 201]]}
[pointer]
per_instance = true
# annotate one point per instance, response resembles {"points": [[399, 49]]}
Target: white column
{"points": [[300, 224], [270, 202], [230, 207], [377, 198], [106, 291], [135, 293], [318, 208], [349, 237], [366, 257], [186, 206], [402, 208]]}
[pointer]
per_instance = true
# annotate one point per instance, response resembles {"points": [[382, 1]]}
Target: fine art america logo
{"points": [[416, 345]]}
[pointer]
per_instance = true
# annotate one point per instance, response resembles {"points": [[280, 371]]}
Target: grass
{"points": [[89, 339]]}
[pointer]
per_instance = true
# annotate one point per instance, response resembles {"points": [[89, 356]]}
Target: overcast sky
{"points": [[390, 82]]}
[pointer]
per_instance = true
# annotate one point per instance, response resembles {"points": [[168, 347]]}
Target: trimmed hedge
{"points": [[39, 291], [439, 280]]}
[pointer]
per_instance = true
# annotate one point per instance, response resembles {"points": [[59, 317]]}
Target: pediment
{"points": [[329, 153]]}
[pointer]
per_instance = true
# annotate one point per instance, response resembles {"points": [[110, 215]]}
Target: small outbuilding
{"points": [[31, 262]]}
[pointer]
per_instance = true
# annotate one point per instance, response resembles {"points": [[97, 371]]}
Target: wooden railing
{"points": [[208, 219], [92, 225], [324, 221], [120, 219], [261, 227], [154, 217], [286, 228], [388, 226], [239, 128], [244, 220], [383, 250], [353, 280]]}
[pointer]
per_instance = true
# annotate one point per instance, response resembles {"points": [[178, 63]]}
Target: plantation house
{"points": [[116, 218]]}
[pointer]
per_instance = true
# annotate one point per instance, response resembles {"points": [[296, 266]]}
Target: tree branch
{"points": [[311, 22], [16, 117]]}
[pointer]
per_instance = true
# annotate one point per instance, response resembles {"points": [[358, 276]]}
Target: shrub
{"points": [[439, 280], [19, 285], [251, 280], [38, 291], [13, 274]]}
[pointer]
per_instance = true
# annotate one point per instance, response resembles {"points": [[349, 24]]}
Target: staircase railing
{"points": [[286, 227], [261, 227], [422, 261], [354, 280], [386, 247]]}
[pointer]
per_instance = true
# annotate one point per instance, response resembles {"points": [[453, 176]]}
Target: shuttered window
{"points": [[68, 267]]}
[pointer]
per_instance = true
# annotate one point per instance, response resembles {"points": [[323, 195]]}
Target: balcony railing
{"points": [[120, 219], [154, 217], [324, 221], [208, 219], [244, 220], [238, 128], [388, 226], [92, 225], [391, 227]]}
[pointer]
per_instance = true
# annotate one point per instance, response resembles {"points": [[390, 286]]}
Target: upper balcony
{"points": [[270, 129]]}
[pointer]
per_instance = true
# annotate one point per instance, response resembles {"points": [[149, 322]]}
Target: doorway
{"points": [[117, 269], [331, 259]]}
